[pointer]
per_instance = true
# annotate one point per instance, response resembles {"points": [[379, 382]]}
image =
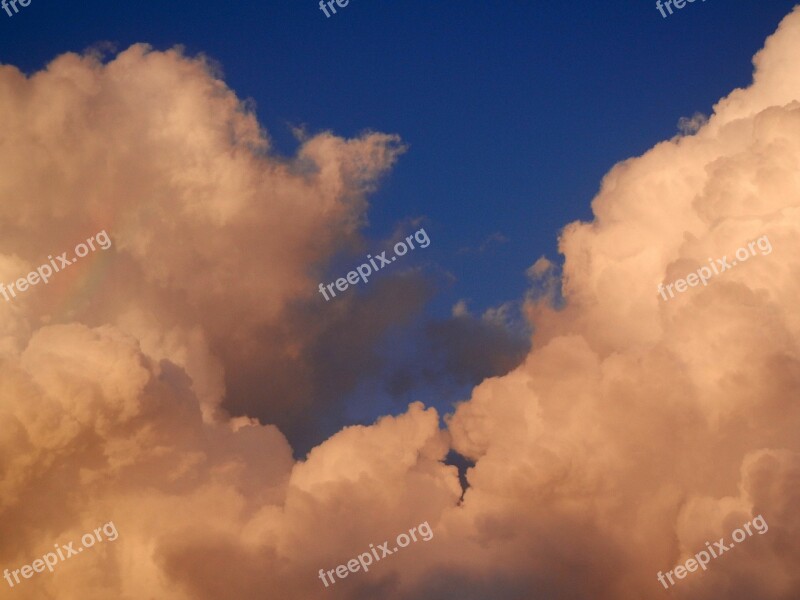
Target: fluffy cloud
{"points": [[634, 431], [638, 429]]}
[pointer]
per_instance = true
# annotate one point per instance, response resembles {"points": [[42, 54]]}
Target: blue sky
{"points": [[517, 105], [512, 111]]}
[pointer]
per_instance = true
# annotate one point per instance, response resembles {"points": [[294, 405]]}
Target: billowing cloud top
{"points": [[635, 431]]}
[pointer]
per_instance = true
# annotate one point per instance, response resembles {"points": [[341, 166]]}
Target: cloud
{"points": [[476, 348], [631, 412], [119, 372], [634, 430], [693, 124], [492, 239]]}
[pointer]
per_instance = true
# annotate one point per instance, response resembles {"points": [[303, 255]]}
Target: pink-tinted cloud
{"points": [[634, 431]]}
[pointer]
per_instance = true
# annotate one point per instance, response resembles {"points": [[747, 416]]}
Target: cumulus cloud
{"points": [[118, 372], [477, 348], [637, 426], [635, 429]]}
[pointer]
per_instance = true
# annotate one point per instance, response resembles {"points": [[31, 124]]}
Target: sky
{"points": [[520, 106], [562, 161], [497, 103]]}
